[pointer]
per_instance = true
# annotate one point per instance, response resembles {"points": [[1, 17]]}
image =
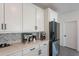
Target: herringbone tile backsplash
{"points": [[10, 38]]}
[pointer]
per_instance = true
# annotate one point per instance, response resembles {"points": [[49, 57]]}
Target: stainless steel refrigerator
{"points": [[54, 38]]}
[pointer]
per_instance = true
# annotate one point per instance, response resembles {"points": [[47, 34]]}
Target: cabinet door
{"points": [[40, 19], [13, 17], [1, 17], [28, 17], [44, 50]]}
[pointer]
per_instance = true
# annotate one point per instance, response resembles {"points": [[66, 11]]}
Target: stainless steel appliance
{"points": [[54, 31]]}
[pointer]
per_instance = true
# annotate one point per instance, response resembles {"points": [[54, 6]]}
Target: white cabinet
{"points": [[40, 19], [43, 49], [39, 50], [1, 17], [32, 51], [33, 18], [13, 17], [29, 17], [10, 18]]}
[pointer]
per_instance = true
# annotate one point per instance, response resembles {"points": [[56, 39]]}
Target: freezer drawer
{"points": [[55, 48]]}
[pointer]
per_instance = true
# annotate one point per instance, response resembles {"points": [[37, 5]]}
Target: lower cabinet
{"points": [[43, 51], [32, 51], [39, 50]]}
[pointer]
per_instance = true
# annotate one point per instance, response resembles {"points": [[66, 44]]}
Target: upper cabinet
{"points": [[1, 18], [40, 19], [17, 17], [33, 18], [10, 18], [13, 17], [29, 17]]}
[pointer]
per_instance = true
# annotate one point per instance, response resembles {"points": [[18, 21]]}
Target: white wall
{"points": [[61, 30], [72, 16]]}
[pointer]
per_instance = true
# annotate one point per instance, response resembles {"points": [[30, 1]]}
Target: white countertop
{"points": [[17, 47]]}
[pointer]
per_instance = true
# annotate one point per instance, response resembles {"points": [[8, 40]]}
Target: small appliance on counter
{"points": [[42, 35], [4, 45], [28, 37], [34, 37]]}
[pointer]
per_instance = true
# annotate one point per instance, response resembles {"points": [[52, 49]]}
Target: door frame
{"points": [[64, 43]]}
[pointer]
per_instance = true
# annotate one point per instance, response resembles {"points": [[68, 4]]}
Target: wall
{"points": [[72, 16], [61, 30], [52, 15]]}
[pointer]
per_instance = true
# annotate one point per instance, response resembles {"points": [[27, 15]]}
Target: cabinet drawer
{"points": [[44, 49], [27, 51], [44, 44], [32, 53], [29, 17]]}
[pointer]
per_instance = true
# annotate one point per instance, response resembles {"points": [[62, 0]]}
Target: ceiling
{"points": [[60, 7]]}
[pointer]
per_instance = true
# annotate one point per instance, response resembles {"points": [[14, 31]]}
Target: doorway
{"points": [[70, 34]]}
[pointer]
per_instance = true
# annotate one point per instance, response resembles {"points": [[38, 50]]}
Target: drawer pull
{"points": [[2, 26], [5, 27], [32, 49], [39, 52], [45, 44]]}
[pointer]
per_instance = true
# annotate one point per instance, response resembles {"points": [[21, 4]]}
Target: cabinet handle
{"points": [[39, 52], [35, 27], [45, 44], [5, 26], [2, 26], [32, 49]]}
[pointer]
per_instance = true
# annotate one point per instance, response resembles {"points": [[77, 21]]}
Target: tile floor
{"points": [[65, 51]]}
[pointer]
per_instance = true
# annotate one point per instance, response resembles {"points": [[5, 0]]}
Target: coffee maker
{"points": [[27, 37]]}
